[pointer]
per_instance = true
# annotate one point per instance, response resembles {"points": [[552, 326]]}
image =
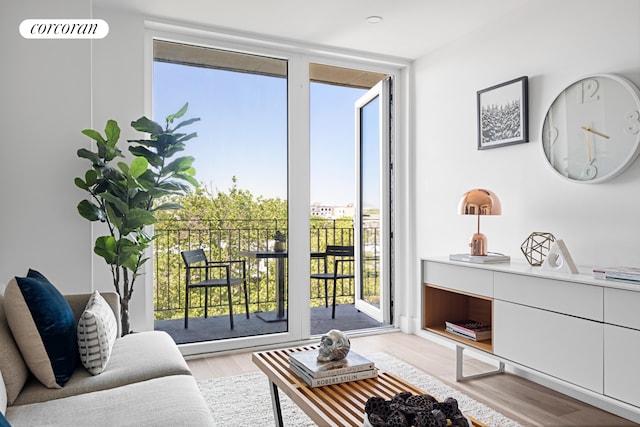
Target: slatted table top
{"points": [[337, 405]]}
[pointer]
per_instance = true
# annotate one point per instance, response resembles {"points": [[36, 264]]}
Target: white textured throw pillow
{"points": [[97, 331]]}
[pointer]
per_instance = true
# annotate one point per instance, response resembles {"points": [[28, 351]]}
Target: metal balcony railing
{"points": [[223, 240]]}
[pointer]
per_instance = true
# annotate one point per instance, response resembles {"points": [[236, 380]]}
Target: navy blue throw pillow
{"points": [[51, 315], [3, 421]]}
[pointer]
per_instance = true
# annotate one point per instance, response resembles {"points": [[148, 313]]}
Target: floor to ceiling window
{"points": [[275, 156], [241, 205]]}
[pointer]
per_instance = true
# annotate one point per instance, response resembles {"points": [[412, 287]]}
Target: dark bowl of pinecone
{"points": [[413, 410]]}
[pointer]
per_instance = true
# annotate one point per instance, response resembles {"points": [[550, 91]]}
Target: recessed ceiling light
{"points": [[373, 19]]}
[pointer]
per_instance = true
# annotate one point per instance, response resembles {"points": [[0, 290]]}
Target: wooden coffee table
{"points": [[337, 405]]}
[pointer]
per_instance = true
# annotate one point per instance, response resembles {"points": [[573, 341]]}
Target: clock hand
{"points": [[588, 144], [588, 129]]}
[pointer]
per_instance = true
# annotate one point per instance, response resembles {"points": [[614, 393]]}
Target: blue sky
{"points": [[243, 130]]}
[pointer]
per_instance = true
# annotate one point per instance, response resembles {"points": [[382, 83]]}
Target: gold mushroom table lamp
{"points": [[479, 202]]}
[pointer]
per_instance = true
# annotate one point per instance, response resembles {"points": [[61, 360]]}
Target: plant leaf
{"points": [[106, 247], [81, 184], [153, 159], [171, 117], [138, 218], [90, 177], [178, 165], [112, 131], [95, 135], [90, 155], [143, 124], [138, 166], [116, 201], [186, 123], [89, 211]]}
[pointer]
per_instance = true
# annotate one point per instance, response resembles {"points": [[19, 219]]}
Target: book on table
{"points": [[332, 379], [471, 329], [307, 362]]}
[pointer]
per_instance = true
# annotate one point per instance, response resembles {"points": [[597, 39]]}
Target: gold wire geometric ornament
{"points": [[536, 247]]}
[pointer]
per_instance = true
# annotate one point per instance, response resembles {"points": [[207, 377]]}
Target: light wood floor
{"points": [[526, 402]]}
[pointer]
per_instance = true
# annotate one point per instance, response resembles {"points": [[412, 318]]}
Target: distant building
{"points": [[332, 212]]}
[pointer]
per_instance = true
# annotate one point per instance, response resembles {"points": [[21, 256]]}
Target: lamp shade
{"points": [[479, 202]]}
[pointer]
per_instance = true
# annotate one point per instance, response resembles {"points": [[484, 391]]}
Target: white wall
{"points": [[553, 43], [50, 91], [44, 104], [46, 100]]}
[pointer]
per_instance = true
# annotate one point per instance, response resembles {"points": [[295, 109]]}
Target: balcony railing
{"points": [[224, 240]]}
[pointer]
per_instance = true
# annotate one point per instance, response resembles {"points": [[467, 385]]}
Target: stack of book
{"points": [[626, 274], [480, 259], [352, 368], [470, 329]]}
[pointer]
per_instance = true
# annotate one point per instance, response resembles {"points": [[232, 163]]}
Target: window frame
{"points": [[299, 57]]}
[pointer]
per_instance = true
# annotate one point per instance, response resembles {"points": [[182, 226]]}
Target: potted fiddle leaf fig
{"points": [[126, 194]]}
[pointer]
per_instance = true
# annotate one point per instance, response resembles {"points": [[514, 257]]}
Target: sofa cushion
{"points": [[134, 358], [97, 330], [12, 366], [168, 401], [43, 326]]}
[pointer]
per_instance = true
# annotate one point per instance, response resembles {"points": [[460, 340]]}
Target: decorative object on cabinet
{"points": [[591, 131], [559, 259], [503, 114], [490, 258], [479, 202], [536, 247]]}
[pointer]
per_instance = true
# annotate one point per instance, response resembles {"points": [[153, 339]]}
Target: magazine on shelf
{"points": [[476, 331], [480, 259], [307, 361], [630, 274], [333, 379]]}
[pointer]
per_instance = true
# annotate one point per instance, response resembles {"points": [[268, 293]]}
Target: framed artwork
{"points": [[503, 114]]}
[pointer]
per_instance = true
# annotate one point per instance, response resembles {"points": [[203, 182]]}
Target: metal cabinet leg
{"points": [[460, 362], [275, 402]]}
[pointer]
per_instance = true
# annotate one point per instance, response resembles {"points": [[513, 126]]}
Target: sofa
{"points": [[146, 382]]}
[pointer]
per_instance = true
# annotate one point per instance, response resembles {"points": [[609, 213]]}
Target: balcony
{"points": [[226, 240]]}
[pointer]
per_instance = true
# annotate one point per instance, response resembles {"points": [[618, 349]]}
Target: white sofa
{"points": [[146, 382]]}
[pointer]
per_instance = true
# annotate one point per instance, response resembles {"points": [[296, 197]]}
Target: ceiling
{"points": [[409, 28]]}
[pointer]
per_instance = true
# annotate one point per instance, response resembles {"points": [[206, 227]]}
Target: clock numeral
{"points": [[588, 91], [553, 135], [633, 122]]}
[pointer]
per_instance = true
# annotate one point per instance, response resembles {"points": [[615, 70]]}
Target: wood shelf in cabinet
{"points": [[442, 305]]}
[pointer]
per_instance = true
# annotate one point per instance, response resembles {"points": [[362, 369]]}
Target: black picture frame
{"points": [[503, 114]]}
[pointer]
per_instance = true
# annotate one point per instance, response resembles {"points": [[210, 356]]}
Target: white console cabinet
{"points": [[574, 328], [622, 345]]}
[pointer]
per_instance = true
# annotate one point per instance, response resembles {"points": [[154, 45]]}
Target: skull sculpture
{"points": [[334, 345]]}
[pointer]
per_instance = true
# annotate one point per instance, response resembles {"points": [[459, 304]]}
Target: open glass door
{"points": [[373, 192]]}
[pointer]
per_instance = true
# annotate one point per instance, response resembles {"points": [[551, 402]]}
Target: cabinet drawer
{"points": [[621, 370], [463, 279], [565, 347], [556, 295], [621, 307]]}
